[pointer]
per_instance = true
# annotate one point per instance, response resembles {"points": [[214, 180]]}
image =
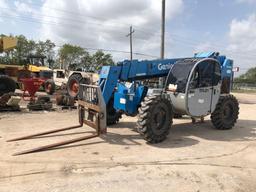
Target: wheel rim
{"points": [[159, 118], [74, 87]]}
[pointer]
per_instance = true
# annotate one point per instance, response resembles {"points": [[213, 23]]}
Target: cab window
{"points": [[60, 74], [216, 74], [206, 74]]}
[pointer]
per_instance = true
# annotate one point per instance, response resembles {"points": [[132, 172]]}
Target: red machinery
{"points": [[30, 87]]}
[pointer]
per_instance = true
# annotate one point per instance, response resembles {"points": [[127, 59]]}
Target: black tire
{"points": [[155, 118], [43, 99], [226, 112], [49, 86], [73, 84], [7, 84], [113, 116]]}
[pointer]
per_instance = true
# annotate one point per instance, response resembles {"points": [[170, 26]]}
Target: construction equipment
{"points": [[31, 86], [7, 43], [196, 86], [70, 80], [34, 67]]}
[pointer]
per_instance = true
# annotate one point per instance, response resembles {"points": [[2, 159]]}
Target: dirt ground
{"points": [[195, 157]]}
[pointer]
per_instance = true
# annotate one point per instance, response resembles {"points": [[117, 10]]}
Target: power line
{"points": [[103, 19], [116, 51], [42, 16], [66, 11], [58, 24], [78, 14], [193, 41], [187, 42], [116, 24], [193, 45]]}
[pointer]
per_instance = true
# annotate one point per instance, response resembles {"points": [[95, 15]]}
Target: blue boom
{"points": [[127, 98]]}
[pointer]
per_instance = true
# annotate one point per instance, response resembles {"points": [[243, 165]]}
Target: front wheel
{"points": [[155, 118], [226, 112], [113, 116]]}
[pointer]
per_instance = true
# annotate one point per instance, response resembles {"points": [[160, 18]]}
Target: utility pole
{"points": [[163, 29], [130, 35], [162, 79]]}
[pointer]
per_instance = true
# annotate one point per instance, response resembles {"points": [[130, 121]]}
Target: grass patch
{"points": [[244, 91]]}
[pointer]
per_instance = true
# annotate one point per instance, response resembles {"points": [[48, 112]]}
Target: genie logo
{"points": [[162, 67]]}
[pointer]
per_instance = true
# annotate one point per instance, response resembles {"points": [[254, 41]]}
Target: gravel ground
{"points": [[195, 157]]}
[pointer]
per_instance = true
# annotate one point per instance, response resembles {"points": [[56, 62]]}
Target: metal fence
{"points": [[244, 86]]}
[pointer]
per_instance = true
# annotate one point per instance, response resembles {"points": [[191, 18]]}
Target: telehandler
{"points": [[197, 86]]}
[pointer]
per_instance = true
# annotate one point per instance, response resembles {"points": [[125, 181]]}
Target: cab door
{"points": [[202, 93]]}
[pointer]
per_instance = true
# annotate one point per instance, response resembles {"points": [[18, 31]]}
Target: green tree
{"points": [[46, 48], [248, 77], [24, 48], [73, 57], [27, 47], [100, 59]]}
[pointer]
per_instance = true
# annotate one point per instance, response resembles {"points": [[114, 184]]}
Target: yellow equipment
{"points": [[7, 43], [34, 67]]}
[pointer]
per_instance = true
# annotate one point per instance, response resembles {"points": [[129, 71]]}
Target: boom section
{"points": [[140, 70]]}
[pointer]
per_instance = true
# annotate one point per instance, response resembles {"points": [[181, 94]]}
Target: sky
{"points": [[225, 26]]}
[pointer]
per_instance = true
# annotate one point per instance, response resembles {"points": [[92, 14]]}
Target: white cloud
{"points": [[23, 7], [242, 41], [204, 46], [243, 33], [240, 46], [104, 23], [7, 12], [4, 4], [4, 9]]}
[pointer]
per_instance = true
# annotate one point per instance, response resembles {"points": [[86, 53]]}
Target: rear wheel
{"points": [[226, 112], [49, 86], [73, 84], [7, 84], [155, 118]]}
